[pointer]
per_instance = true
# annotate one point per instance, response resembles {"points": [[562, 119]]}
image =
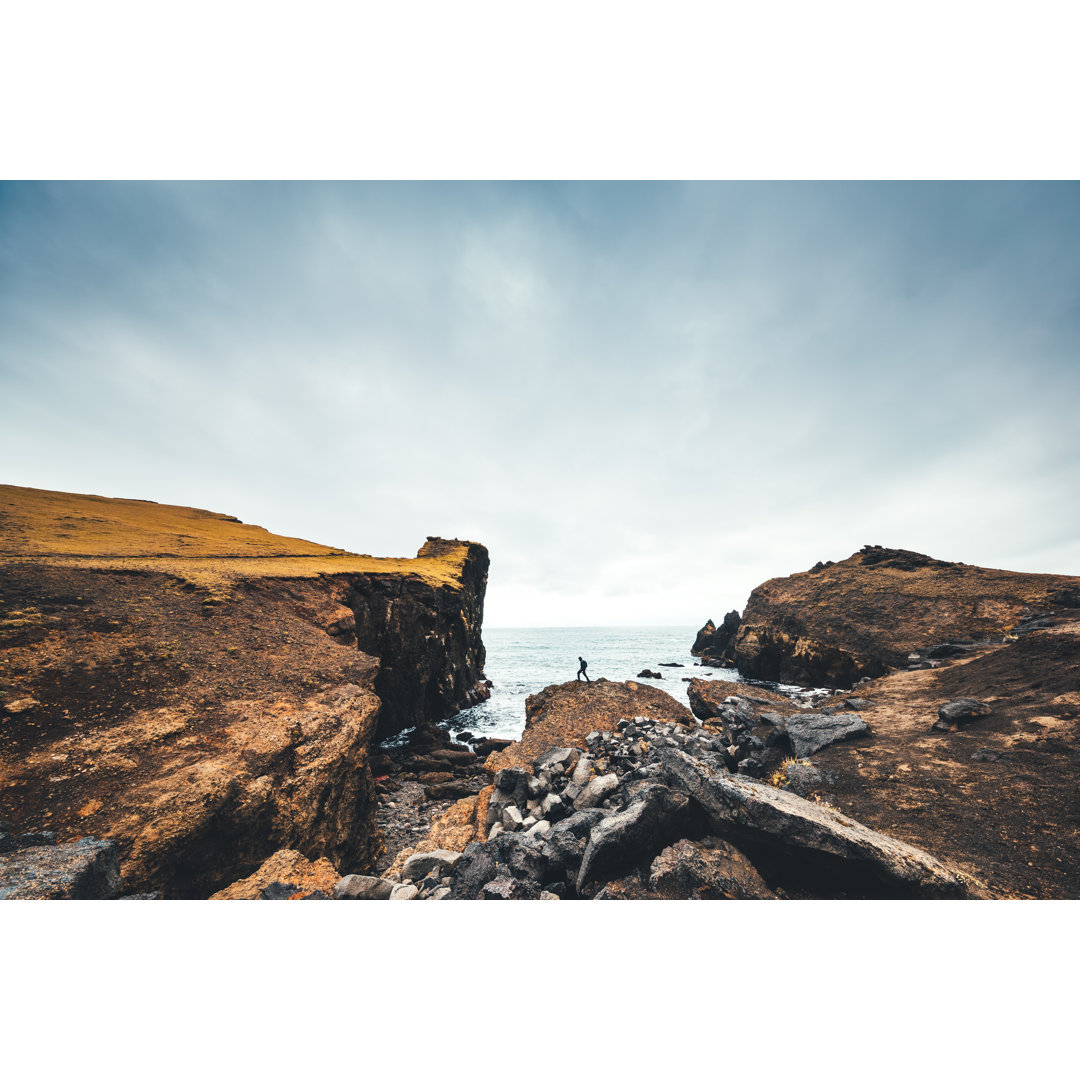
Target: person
{"points": [[581, 671]]}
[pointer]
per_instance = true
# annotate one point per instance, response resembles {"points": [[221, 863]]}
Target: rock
{"points": [[804, 779], [647, 674], [715, 644], [507, 888], [566, 756], [582, 771], [440, 893], [361, 887], [562, 715], [826, 852], [464, 736], [545, 895], [404, 892], [475, 870], [86, 869], [960, 711], [708, 870], [511, 818], [670, 665], [857, 703], [750, 766], [989, 755], [285, 867], [810, 732], [540, 828], [596, 790], [948, 650], [453, 790], [425, 862], [483, 747], [633, 835]]}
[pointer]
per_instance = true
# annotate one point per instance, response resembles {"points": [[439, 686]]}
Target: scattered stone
{"points": [[22, 705], [960, 711], [404, 891], [596, 791], [425, 862], [857, 703], [362, 887]]}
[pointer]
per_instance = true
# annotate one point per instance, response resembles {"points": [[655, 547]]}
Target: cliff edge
{"points": [[203, 693]]}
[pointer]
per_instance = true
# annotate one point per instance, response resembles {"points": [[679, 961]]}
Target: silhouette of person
{"points": [[581, 671]]}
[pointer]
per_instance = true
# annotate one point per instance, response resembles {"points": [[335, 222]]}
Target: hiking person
{"points": [[581, 671]]}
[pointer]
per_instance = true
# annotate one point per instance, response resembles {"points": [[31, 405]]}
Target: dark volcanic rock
{"points": [[430, 634], [811, 846], [711, 869], [810, 732], [634, 835], [715, 644], [961, 711], [87, 869]]}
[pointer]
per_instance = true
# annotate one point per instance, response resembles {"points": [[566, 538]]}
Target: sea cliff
{"points": [[201, 693]]}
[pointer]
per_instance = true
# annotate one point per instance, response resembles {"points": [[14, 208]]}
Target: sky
{"points": [[644, 398]]}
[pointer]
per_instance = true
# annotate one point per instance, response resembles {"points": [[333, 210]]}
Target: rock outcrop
{"points": [[285, 872], [716, 644], [864, 616], [563, 714], [203, 693]]}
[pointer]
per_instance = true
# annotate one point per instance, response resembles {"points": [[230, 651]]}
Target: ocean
{"points": [[522, 661]]}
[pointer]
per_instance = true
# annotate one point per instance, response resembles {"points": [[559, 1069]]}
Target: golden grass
{"points": [[36, 522], [211, 551]]}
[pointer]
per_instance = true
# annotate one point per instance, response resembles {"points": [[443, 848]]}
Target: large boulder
{"points": [[808, 845], [811, 732], [711, 869], [633, 836]]}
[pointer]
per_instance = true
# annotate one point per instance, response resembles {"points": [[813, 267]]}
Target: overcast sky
{"points": [[645, 399]]}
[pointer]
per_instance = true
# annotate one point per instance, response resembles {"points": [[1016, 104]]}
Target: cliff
{"points": [[839, 622], [204, 692]]}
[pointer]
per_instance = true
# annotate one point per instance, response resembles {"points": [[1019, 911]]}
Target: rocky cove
{"points": [[193, 707]]}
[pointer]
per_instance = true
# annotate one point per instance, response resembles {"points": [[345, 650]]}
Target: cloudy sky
{"points": [[645, 399]]}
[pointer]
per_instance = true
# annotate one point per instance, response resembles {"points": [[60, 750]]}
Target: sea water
{"points": [[523, 661]]}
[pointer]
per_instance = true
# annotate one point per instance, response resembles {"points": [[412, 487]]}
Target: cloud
{"points": [[645, 398]]}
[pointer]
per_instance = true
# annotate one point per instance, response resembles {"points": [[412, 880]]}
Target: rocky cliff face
{"points": [[862, 617], [428, 637], [205, 711]]}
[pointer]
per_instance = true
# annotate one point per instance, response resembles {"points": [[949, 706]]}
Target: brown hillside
{"points": [[863, 616], [203, 692]]}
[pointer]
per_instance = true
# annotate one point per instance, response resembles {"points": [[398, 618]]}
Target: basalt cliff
{"points": [[197, 694]]}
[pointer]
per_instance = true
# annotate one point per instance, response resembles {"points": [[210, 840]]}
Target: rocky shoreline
{"points": [[207, 723]]}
